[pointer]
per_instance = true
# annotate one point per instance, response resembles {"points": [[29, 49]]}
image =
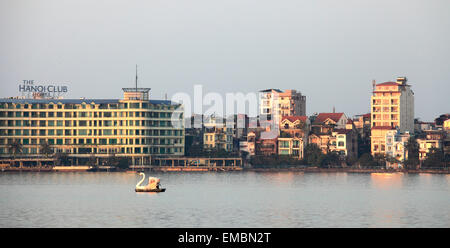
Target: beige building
{"points": [[392, 107], [396, 147], [292, 146], [430, 139], [293, 135], [447, 125], [218, 138], [276, 104]]}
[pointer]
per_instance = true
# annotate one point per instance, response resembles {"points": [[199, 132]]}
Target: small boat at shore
{"points": [[151, 190], [152, 186]]}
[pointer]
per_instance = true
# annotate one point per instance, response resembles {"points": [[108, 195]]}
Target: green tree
{"points": [[436, 158], [62, 158], [123, 163], [379, 160], [112, 160], [313, 155], [331, 159], [15, 148], [45, 149], [92, 161], [413, 154], [366, 160]]}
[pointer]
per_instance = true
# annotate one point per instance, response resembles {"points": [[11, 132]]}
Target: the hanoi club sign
{"points": [[29, 87]]}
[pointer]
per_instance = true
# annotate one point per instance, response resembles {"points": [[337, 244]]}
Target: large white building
{"points": [[275, 104]]}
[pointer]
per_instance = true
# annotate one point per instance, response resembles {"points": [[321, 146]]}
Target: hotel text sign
{"points": [[42, 90]]}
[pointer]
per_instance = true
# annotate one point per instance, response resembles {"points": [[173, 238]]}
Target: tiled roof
{"points": [[269, 90], [292, 118], [324, 116], [342, 131], [388, 84]]}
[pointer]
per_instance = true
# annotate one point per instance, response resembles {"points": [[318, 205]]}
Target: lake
{"points": [[225, 199]]}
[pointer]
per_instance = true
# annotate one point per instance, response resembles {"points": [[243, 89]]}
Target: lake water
{"points": [[225, 199]]}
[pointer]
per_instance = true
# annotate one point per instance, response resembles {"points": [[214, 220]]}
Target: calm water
{"points": [[225, 199]]}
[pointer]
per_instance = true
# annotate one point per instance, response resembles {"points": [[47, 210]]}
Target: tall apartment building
{"points": [[392, 107], [85, 129], [275, 103]]}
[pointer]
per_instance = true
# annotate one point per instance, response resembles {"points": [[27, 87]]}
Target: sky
{"points": [[329, 50]]}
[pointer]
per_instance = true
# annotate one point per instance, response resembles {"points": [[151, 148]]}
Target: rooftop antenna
{"points": [[136, 78], [373, 85]]}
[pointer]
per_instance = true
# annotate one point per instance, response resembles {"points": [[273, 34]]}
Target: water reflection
{"points": [[387, 181]]}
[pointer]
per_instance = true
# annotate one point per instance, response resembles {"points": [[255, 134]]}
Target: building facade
{"points": [[392, 105], [274, 104], [90, 130]]}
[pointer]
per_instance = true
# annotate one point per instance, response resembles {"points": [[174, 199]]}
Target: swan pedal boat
{"points": [[150, 190], [152, 186]]}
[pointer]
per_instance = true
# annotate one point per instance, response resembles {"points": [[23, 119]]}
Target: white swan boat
{"points": [[152, 186]]}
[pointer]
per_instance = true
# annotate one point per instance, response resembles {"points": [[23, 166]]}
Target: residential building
{"points": [[274, 104], [396, 147], [378, 139], [215, 138], [325, 123], [345, 142], [251, 143], [392, 105], [429, 139], [292, 146], [293, 135]]}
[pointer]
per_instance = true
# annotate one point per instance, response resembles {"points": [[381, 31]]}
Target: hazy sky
{"points": [[329, 50]]}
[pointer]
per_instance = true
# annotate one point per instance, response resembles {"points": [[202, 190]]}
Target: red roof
{"points": [[366, 115], [349, 121], [324, 116], [342, 131], [388, 83], [292, 118]]}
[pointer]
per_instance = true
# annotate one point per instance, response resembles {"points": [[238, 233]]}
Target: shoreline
{"points": [[225, 169]]}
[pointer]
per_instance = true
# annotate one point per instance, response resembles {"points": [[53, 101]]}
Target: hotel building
{"points": [[89, 130]]}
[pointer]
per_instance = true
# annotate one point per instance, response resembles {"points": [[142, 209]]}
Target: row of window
{"points": [[99, 141], [87, 150], [20, 114], [87, 132], [78, 123], [143, 105]]}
